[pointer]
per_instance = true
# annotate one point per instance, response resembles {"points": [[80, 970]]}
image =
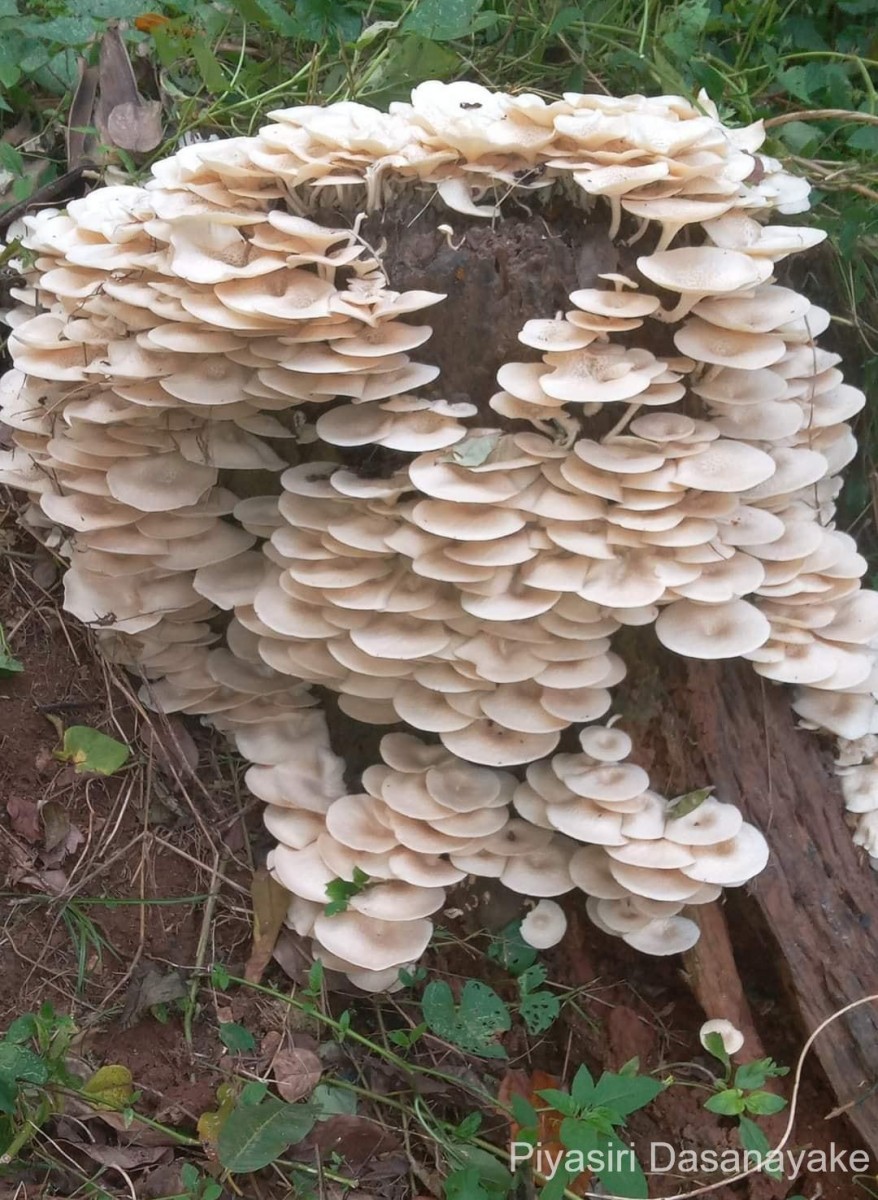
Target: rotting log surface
{"points": [[808, 921]]}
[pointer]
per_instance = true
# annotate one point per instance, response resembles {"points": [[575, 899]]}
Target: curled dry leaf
{"points": [[296, 1073], [136, 125], [270, 904], [25, 818], [127, 1158], [171, 744]]}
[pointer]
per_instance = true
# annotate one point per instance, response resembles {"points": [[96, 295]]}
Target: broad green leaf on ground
{"points": [[442, 20], [253, 1136], [474, 1024], [624, 1094], [112, 1085], [539, 1010], [90, 750], [237, 1038], [19, 1064]]}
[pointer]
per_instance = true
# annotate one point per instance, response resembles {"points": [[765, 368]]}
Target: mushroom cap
{"points": [[709, 823], [712, 631], [732, 861], [544, 926], [358, 821], [672, 935], [302, 872], [371, 943], [489, 744], [732, 1038], [590, 871], [541, 873], [703, 270], [398, 901], [293, 827]]}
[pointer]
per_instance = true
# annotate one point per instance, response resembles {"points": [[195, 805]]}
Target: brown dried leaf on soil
{"points": [[127, 1158], [24, 817], [355, 1139], [270, 904], [151, 985], [172, 746], [60, 836], [296, 1073]]}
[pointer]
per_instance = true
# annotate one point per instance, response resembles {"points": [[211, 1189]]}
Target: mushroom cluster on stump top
{"points": [[179, 346]]}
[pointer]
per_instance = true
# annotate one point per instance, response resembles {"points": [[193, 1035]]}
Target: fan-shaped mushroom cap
{"points": [[358, 821], [541, 873], [673, 935], [700, 271], [652, 882], [544, 926], [732, 861], [371, 943], [302, 872], [709, 823], [712, 630], [489, 744], [590, 871], [424, 870], [398, 901], [294, 828]]}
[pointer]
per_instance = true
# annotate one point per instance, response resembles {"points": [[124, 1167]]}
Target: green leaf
{"points": [[21, 1064], [8, 1099], [473, 1024], [714, 1045], [220, 977], [22, 1029], [492, 1174], [561, 1102], [253, 1092], [764, 1104], [728, 1103], [539, 1010], [464, 1184], [209, 69], [579, 1134], [237, 1038], [583, 1087], [682, 806], [340, 892], [90, 750], [624, 1177], [442, 20], [864, 138], [752, 1074], [631, 1067], [754, 1140], [468, 1126], [255, 1135], [511, 951], [406, 62], [523, 1111], [626, 1094], [473, 451], [329, 1101]]}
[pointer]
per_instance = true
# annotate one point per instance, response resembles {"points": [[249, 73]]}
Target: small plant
{"points": [[33, 1057], [9, 664], [740, 1093]]}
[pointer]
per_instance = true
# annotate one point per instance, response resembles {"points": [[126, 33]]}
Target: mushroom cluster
{"points": [[205, 368]]}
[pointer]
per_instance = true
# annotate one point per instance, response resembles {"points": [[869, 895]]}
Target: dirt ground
{"points": [[182, 845]]}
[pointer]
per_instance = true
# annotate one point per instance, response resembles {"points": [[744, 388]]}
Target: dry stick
{"points": [[203, 939], [198, 863], [788, 1131], [821, 114]]}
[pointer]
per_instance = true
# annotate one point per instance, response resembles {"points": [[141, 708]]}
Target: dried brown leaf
{"points": [[172, 747], [25, 818], [355, 1139], [270, 904], [296, 1073], [80, 116], [136, 125], [127, 1158]]}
